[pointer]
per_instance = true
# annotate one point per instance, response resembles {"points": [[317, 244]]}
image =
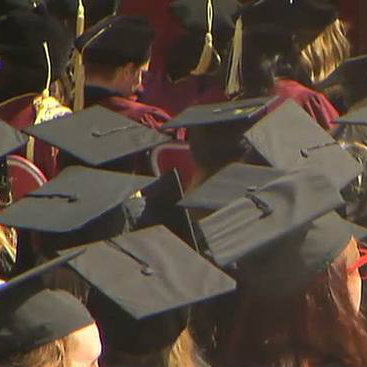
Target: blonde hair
{"points": [[184, 352], [53, 354], [323, 55]]}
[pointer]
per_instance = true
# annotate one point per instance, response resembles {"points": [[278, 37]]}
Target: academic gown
{"points": [[314, 103], [19, 113]]}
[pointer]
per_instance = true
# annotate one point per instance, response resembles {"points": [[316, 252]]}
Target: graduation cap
{"points": [[288, 137], [22, 34], [229, 184], [8, 6], [116, 41], [147, 285], [11, 139], [281, 235], [355, 117], [209, 25], [349, 80], [80, 205], [97, 136], [241, 111], [31, 315]]}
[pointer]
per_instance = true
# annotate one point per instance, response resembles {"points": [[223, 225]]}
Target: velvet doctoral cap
{"points": [[116, 41], [281, 235], [22, 34], [31, 315]]}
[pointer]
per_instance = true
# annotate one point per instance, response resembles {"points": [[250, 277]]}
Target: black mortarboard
{"points": [[97, 136], [281, 235], [77, 196], [229, 184], [294, 15], [241, 111], [31, 315], [288, 137], [349, 80], [95, 10], [8, 6], [192, 14], [153, 284], [116, 41], [355, 117], [22, 34], [11, 139]]}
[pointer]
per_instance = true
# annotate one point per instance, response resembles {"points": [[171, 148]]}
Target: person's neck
{"points": [[97, 81]]}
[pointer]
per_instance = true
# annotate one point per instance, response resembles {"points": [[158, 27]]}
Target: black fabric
{"points": [[8, 6], [22, 34], [281, 206], [241, 111], [11, 139], [229, 184], [161, 199], [286, 227], [294, 15], [97, 136], [116, 41], [74, 198], [288, 137], [31, 315], [145, 309]]}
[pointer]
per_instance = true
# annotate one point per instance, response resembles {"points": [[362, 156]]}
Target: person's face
{"points": [[354, 281], [85, 347], [132, 77]]}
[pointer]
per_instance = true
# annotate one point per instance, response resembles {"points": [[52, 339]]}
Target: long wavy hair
{"points": [[326, 52], [53, 354], [317, 327]]}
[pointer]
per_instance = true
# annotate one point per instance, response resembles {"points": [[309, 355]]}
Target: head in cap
{"points": [[68, 210], [146, 310], [40, 326], [215, 132], [295, 259], [281, 39], [117, 51], [94, 10], [208, 26], [97, 137], [23, 55]]}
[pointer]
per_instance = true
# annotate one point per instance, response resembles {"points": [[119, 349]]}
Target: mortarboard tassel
{"points": [[208, 50], [234, 77], [46, 106], [79, 73]]}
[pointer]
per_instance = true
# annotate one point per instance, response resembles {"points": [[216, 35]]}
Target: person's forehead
{"points": [[86, 346]]}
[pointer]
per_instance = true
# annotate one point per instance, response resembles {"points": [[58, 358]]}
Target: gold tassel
{"points": [[46, 107], [79, 73], [208, 50], [234, 76]]}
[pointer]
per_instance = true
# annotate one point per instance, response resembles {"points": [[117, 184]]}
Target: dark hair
{"points": [[317, 327], [215, 146], [270, 53]]}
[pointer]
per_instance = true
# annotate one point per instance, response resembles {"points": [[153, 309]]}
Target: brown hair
{"points": [[317, 327], [53, 354], [325, 53]]}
